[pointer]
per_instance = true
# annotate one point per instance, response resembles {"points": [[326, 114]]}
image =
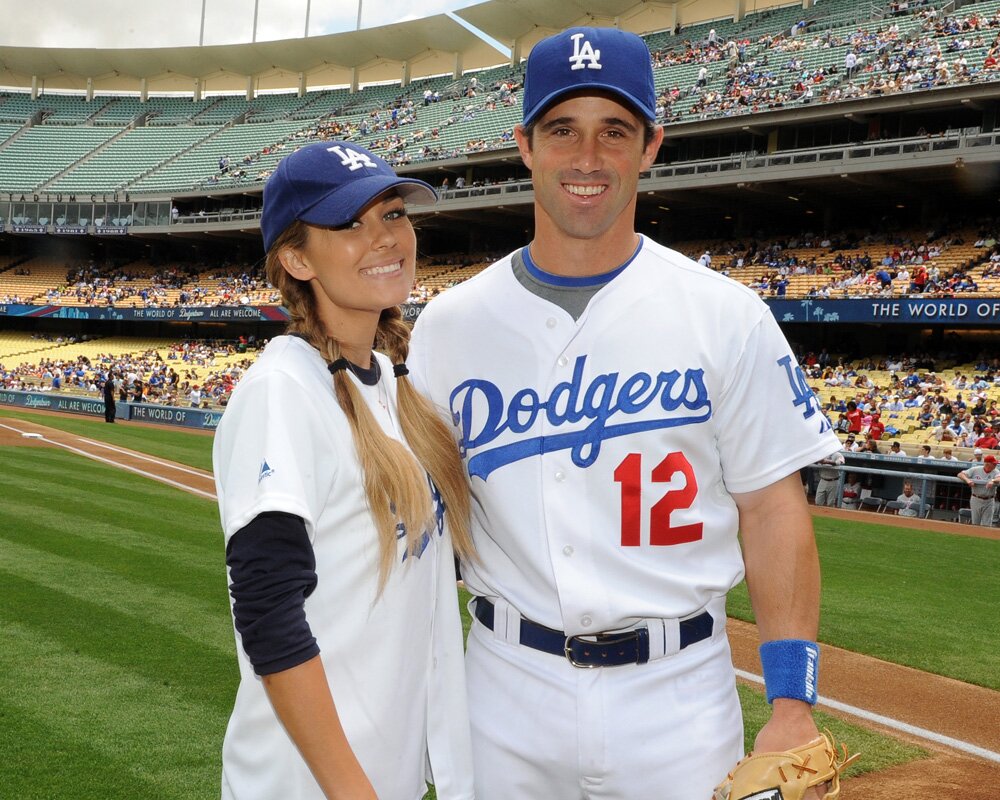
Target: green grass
{"points": [[173, 444], [923, 599], [878, 752], [116, 646]]}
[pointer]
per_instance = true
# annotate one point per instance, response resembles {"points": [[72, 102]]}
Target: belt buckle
{"points": [[600, 640], [567, 649]]}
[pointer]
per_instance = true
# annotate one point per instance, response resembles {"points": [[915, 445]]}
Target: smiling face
{"points": [[357, 270], [585, 154]]}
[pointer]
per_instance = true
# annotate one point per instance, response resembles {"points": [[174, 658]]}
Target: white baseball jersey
{"points": [[603, 452], [394, 662]]}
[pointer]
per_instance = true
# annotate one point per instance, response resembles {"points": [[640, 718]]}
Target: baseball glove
{"points": [[788, 775]]}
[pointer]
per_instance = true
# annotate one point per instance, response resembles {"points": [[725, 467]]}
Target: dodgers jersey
{"points": [[603, 452], [393, 662]]}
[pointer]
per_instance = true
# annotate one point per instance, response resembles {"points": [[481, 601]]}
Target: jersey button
{"points": [[559, 475], [562, 361], [586, 621], [568, 550], [550, 322]]}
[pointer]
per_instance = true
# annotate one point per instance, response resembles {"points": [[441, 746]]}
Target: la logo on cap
{"points": [[586, 52], [352, 159]]}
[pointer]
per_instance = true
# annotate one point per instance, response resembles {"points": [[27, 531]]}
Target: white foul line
{"points": [[169, 464], [136, 470], [895, 724]]}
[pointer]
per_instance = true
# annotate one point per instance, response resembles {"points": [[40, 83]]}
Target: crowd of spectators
{"points": [[869, 266], [145, 377], [197, 285], [868, 407], [392, 130], [769, 71]]}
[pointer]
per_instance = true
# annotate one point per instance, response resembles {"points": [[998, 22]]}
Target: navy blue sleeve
{"points": [[272, 570]]}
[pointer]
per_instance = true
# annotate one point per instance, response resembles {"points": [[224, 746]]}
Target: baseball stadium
{"points": [[841, 158]]}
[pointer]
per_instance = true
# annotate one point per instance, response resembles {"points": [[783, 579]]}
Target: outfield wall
{"points": [[968, 310], [205, 419]]}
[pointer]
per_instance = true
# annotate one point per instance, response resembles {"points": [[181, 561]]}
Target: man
{"points": [[948, 455], [108, 393], [982, 482], [895, 404], [604, 419], [925, 452], [910, 503], [851, 497], [877, 428], [896, 450], [988, 441], [829, 479]]}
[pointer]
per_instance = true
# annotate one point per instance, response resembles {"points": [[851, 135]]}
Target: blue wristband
{"points": [[791, 669]]}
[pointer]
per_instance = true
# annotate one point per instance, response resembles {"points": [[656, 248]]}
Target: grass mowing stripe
{"points": [[918, 598], [89, 490], [142, 737], [59, 773], [69, 578], [115, 547], [184, 447], [142, 646]]}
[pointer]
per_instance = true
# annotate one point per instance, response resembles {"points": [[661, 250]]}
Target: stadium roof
{"points": [[527, 21], [432, 46]]}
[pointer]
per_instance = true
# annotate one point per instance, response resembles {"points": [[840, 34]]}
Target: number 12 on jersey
{"points": [[661, 532]]}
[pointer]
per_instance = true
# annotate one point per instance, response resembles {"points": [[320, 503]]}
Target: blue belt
{"points": [[603, 649]]}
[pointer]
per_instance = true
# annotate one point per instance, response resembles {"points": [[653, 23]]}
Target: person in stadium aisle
{"points": [[583, 372], [108, 393], [982, 481], [854, 417], [333, 477]]}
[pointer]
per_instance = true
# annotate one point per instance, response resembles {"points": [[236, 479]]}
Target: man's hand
{"points": [[791, 725]]}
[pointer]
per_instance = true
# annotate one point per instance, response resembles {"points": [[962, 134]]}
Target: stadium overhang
{"points": [[402, 51], [520, 24]]}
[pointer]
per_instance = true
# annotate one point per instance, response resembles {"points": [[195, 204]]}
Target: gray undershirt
{"points": [[571, 299]]}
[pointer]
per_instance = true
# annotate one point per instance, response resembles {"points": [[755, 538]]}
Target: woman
{"points": [[333, 477]]}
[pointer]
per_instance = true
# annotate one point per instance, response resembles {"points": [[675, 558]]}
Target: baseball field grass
{"points": [[117, 665]]}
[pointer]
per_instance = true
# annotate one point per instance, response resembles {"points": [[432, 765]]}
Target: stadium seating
{"points": [[165, 154]]}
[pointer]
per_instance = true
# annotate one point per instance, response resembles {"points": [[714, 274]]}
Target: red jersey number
{"points": [[661, 532]]}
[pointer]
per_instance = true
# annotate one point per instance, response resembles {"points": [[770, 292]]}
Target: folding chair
{"points": [[872, 503]]}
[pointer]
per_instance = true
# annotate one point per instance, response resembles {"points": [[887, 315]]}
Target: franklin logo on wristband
{"points": [[791, 669]]}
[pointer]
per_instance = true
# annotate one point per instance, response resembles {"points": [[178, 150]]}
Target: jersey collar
{"points": [[562, 280]]}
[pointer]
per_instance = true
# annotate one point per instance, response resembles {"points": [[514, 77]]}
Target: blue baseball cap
{"points": [[329, 183], [589, 58]]}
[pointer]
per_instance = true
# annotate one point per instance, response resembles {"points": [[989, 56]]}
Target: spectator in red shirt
{"points": [[853, 417], [988, 441], [877, 427]]}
